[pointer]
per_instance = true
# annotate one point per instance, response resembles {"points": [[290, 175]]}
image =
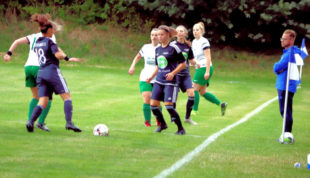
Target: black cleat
{"points": [[43, 127], [223, 108], [161, 128], [29, 126], [73, 127], [180, 132]]}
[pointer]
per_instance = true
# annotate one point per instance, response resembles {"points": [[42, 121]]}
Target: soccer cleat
{"points": [[157, 123], [73, 127], [29, 126], [147, 124], [190, 121], [42, 127], [180, 132], [161, 128], [223, 108], [194, 113]]}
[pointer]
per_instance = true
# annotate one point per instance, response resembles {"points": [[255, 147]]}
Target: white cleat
{"points": [[190, 121]]}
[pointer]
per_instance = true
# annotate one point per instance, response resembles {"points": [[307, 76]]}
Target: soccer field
{"points": [[109, 95]]}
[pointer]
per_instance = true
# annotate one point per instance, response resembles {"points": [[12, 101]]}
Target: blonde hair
{"points": [[201, 26], [172, 32], [183, 27], [291, 33], [186, 41]]}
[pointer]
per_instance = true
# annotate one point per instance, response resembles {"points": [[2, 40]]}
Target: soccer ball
{"points": [[288, 138], [101, 130]]}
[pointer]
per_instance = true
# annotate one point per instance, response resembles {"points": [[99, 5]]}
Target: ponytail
{"points": [[41, 19]]}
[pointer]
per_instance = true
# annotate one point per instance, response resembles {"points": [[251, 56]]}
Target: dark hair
{"points": [[43, 20], [169, 30]]}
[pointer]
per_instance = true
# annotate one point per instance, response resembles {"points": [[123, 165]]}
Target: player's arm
{"points": [[134, 62], [59, 54], [193, 62], [149, 79], [207, 53], [180, 67], [14, 45]]}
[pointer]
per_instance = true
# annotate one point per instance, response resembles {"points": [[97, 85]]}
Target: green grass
{"points": [[103, 92], [110, 96]]}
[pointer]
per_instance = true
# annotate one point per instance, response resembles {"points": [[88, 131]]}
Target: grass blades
{"points": [[111, 96]]}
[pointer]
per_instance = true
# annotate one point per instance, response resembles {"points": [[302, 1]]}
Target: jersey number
{"points": [[41, 56]]}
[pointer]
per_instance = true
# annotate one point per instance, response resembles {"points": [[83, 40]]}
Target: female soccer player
{"points": [[169, 61], [49, 77], [183, 78], [31, 70], [202, 54], [148, 53]]}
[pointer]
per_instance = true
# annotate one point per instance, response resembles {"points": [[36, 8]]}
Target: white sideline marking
{"points": [[189, 156]]}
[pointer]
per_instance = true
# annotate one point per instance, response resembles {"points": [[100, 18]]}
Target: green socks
{"points": [[196, 102], [147, 112], [210, 97], [45, 112], [33, 103]]}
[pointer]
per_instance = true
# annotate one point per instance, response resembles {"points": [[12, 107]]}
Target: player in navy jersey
{"points": [[169, 61], [183, 78], [31, 70], [50, 79]]}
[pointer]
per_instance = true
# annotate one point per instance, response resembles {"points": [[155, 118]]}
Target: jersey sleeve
{"points": [[177, 53], [156, 56], [205, 44], [190, 54], [29, 38], [54, 39], [179, 56], [53, 46], [141, 52]]}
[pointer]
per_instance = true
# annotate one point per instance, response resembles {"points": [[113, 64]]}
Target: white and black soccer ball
{"points": [[287, 139], [101, 130]]}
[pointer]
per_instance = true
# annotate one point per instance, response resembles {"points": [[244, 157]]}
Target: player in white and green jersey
{"points": [[31, 70], [148, 53], [201, 80]]}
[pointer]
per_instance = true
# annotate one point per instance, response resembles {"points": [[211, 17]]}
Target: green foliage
{"points": [[247, 23]]}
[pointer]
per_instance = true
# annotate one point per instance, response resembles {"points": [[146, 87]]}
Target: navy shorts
{"points": [[184, 82], [49, 81], [167, 93]]}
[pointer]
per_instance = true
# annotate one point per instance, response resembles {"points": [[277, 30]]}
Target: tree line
{"points": [[241, 23]]}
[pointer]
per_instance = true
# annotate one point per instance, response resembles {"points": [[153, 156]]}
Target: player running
{"points": [[202, 54], [183, 78], [148, 53], [49, 77], [169, 61], [31, 70]]}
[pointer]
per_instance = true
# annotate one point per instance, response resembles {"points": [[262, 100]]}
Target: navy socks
{"points": [[68, 111]]}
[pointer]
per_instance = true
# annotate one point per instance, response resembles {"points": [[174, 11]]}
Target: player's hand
{"points": [[197, 66], [148, 80], [206, 76], [74, 59], [131, 70], [7, 57], [169, 76]]}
